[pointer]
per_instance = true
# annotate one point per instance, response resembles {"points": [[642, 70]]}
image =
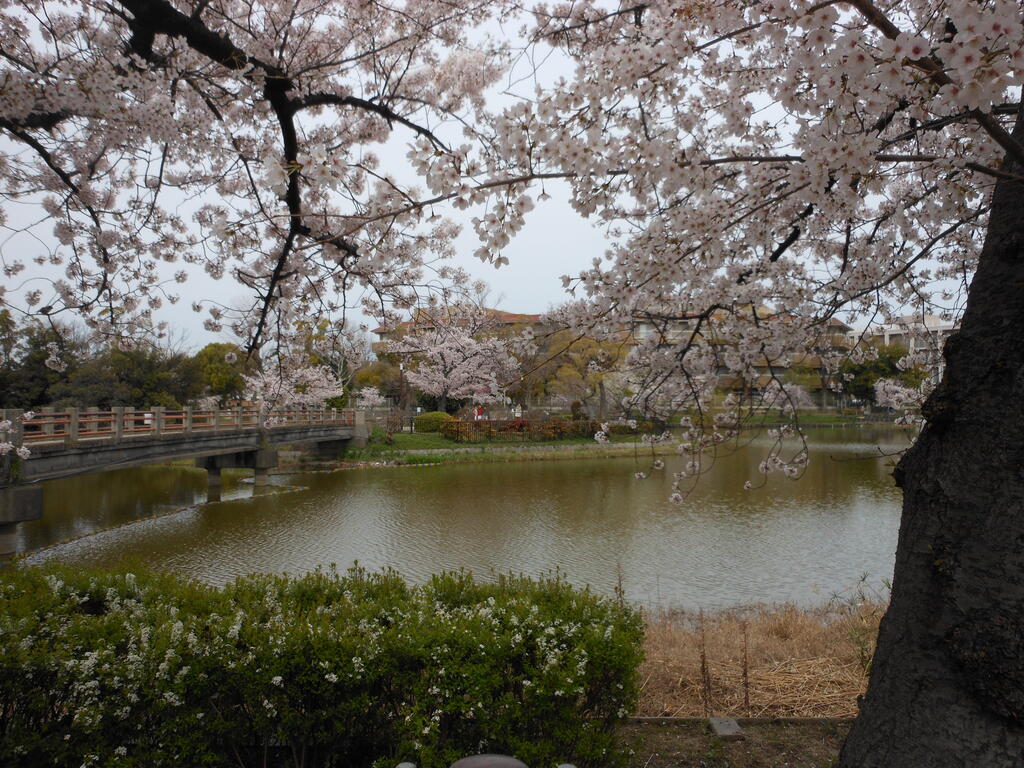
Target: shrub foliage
{"points": [[431, 421], [518, 430], [354, 669]]}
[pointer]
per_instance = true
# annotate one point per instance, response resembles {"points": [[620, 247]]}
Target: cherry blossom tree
{"points": [[452, 356], [787, 397], [292, 384], [340, 349], [807, 158], [369, 397], [231, 138]]}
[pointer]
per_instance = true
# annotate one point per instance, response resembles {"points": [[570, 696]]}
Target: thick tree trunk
{"points": [[947, 685]]}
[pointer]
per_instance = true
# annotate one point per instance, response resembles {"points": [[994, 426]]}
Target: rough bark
{"points": [[947, 684]]}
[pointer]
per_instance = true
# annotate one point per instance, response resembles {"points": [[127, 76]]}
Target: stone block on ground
{"points": [[725, 728], [489, 761]]}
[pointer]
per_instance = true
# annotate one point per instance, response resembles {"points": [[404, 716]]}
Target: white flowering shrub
{"points": [[356, 669]]}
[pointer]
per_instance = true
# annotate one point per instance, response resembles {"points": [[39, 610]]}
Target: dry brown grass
{"points": [[762, 661]]}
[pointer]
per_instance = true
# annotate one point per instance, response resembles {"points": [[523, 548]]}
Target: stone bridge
{"points": [[75, 441]]}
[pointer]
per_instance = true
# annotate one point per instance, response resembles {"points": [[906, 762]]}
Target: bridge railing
{"points": [[74, 426]]}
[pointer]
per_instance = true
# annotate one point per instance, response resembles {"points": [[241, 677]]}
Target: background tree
{"points": [[141, 377], [340, 349], [859, 378], [589, 370], [369, 397], [42, 358], [43, 366], [450, 364], [452, 356], [292, 383], [222, 366], [382, 375], [8, 342]]}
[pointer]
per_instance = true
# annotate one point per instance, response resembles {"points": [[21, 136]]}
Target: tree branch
{"points": [[330, 99], [933, 68]]}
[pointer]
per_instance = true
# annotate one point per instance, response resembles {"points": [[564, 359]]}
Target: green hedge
{"points": [[329, 669], [517, 430], [431, 421]]}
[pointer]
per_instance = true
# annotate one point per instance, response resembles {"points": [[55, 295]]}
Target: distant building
{"points": [[425, 320], [911, 331], [810, 369], [916, 334]]}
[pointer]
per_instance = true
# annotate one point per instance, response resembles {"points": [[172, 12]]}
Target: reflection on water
{"points": [[789, 540]]}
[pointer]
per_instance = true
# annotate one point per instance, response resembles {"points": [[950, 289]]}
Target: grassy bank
{"points": [[431, 448], [434, 448], [779, 661]]}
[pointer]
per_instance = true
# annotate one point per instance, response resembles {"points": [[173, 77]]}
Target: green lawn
{"points": [[404, 442], [808, 418], [419, 441], [413, 441], [827, 418]]}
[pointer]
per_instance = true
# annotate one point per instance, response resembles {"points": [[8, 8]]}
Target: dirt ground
{"points": [[765, 745]]}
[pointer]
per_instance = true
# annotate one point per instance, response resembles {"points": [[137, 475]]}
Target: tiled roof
{"points": [[497, 315]]}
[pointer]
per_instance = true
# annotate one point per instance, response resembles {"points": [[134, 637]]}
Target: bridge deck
{"points": [[72, 441]]}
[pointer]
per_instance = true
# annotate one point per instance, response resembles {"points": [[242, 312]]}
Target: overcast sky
{"points": [[555, 241]]}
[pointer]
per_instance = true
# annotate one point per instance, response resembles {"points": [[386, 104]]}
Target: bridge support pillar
{"points": [[17, 505], [362, 430], [259, 460], [330, 450]]}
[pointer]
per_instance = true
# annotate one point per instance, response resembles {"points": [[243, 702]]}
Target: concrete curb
{"points": [[742, 720]]}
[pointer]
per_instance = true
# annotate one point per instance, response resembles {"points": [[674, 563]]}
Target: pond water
{"points": [[799, 541]]}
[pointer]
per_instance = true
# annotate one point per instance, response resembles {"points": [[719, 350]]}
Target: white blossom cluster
{"points": [[891, 393], [144, 145], [292, 383], [161, 671], [369, 397], [6, 428]]}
